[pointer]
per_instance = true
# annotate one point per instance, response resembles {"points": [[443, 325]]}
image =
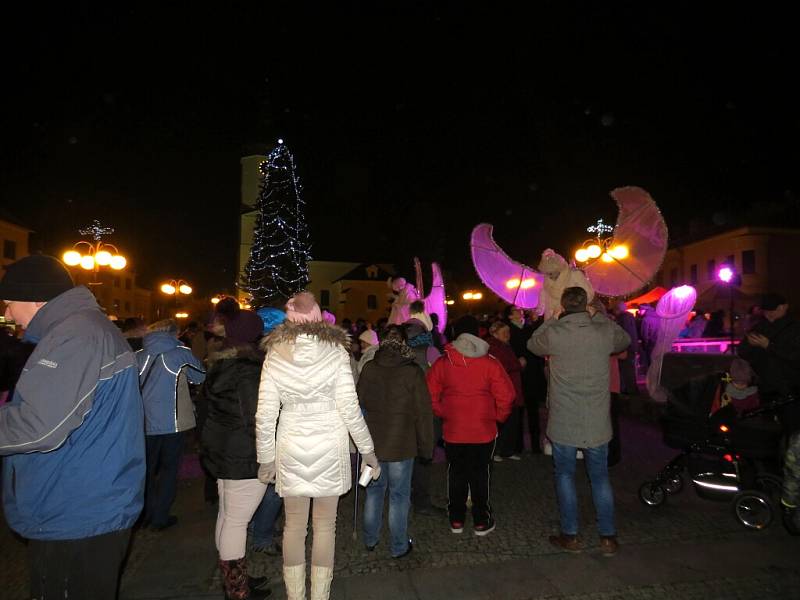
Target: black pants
{"points": [[421, 476], [87, 568], [510, 439], [163, 461], [468, 470]]}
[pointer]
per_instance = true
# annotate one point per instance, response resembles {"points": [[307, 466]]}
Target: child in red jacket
{"points": [[471, 392]]}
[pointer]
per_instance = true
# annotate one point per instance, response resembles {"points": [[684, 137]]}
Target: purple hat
{"points": [[245, 327]]}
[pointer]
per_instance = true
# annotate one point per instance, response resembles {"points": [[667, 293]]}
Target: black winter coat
{"points": [[231, 393]]}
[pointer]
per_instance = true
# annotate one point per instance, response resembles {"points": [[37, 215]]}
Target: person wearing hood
{"points": [[166, 368], [72, 436], [397, 407], [306, 380], [471, 392], [579, 346], [229, 448], [369, 346]]}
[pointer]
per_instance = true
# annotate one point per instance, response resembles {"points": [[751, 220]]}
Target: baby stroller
{"points": [[727, 457]]}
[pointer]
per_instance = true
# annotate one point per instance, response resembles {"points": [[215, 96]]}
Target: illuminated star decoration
{"points": [[96, 230], [600, 228]]}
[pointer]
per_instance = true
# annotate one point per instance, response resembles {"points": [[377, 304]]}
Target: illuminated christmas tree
{"points": [[278, 263]]}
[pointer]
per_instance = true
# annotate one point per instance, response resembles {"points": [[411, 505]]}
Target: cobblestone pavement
{"points": [[524, 504]]}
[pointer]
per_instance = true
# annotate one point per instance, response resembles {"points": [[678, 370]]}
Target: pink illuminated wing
{"points": [[514, 282], [435, 301], [642, 229]]}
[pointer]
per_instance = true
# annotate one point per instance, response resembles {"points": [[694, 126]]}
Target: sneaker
{"points": [[514, 457], [569, 543], [456, 526], [579, 455], [497, 458], [485, 528], [609, 545]]}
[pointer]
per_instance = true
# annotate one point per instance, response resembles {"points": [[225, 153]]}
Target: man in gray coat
{"points": [[578, 346]]}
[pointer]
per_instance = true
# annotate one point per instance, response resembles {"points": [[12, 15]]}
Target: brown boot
{"points": [[570, 543], [609, 545]]}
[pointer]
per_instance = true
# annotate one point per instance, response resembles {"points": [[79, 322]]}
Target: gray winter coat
{"points": [[579, 347]]}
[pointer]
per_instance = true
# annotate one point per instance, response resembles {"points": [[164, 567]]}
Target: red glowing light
{"points": [[728, 457]]}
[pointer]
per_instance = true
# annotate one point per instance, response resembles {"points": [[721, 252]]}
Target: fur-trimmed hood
{"points": [[304, 342]]}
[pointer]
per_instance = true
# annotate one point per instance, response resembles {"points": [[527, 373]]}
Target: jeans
{"points": [[263, 523], [163, 459], [469, 472], [564, 459], [397, 475], [86, 568]]}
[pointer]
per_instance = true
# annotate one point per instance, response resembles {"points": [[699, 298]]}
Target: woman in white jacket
{"points": [[307, 380]]}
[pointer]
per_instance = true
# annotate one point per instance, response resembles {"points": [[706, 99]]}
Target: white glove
{"points": [[370, 460], [266, 473]]}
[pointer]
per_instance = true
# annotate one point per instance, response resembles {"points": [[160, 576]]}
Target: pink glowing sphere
{"points": [[725, 274]]}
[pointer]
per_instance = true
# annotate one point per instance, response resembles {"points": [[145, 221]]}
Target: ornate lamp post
{"points": [[93, 255], [602, 246], [176, 288]]}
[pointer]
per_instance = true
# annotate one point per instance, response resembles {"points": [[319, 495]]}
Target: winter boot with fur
{"points": [[295, 580], [321, 578], [237, 584]]}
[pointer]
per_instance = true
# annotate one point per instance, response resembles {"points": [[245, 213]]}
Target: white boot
{"points": [[321, 578], [294, 578]]}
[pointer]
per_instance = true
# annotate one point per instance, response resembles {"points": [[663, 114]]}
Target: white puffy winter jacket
{"points": [[307, 390]]}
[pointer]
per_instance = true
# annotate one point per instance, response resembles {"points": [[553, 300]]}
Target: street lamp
{"points": [[90, 256], [176, 287], [601, 246], [472, 296], [728, 276]]}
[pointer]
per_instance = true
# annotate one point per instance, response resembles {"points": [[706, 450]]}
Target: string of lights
{"points": [[278, 262]]}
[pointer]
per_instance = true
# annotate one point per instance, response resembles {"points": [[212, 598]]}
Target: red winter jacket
{"points": [[470, 391]]}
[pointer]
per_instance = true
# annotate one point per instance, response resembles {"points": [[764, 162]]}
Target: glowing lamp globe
{"points": [[477, 296], [582, 255], [512, 283], [594, 251], [215, 300], [467, 295], [607, 258], [185, 289], [619, 252], [118, 262], [72, 258], [103, 258], [87, 262], [168, 288], [725, 274], [527, 284]]}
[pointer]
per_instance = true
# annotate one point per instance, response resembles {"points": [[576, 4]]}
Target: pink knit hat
{"points": [[302, 308]]}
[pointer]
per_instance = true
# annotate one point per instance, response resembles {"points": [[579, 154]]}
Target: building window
{"points": [[731, 261], [693, 274], [673, 277], [127, 306], [324, 298], [10, 249], [748, 262], [127, 283], [116, 281], [372, 302], [712, 270]]}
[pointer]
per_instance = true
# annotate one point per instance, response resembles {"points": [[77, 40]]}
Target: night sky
{"points": [[409, 124]]}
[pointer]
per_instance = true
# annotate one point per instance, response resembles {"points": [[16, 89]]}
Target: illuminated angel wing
{"points": [[435, 301], [642, 229], [514, 282]]}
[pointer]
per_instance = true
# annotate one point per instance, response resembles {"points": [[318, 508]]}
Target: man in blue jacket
{"points": [[166, 368], [72, 435]]}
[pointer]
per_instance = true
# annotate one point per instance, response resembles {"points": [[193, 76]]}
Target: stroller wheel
{"points": [[652, 493], [753, 509], [674, 484]]}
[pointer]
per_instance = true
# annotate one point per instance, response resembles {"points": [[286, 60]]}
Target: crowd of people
{"points": [[279, 400]]}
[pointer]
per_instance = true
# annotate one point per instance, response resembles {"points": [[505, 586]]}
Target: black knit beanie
{"points": [[37, 278], [466, 324]]}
